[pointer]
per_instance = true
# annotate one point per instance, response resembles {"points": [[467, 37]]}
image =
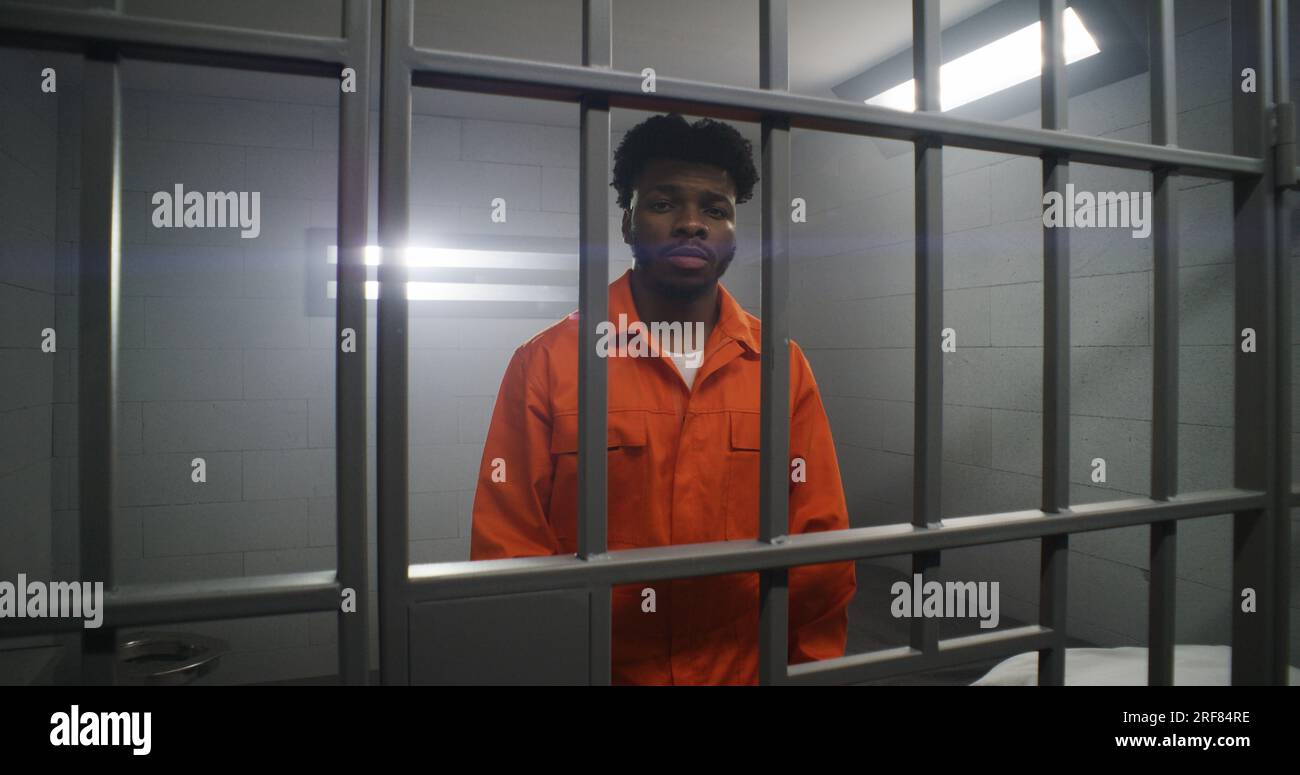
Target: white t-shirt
{"points": [[687, 363]]}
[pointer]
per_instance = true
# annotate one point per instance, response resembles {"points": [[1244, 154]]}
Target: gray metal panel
{"points": [[537, 638], [1164, 383], [593, 306], [1054, 569], [544, 80], [774, 382], [350, 368], [1256, 439], [927, 463], [100, 292], [392, 408]]}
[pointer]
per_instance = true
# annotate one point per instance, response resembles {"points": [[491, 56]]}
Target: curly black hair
{"points": [[670, 137]]}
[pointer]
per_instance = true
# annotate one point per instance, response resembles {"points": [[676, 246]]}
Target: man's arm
{"points": [[515, 475], [819, 594]]}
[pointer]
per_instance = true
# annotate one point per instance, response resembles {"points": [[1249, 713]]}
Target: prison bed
{"points": [[1125, 666]]}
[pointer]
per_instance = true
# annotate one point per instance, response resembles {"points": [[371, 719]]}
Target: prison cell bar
{"points": [[593, 304], [1055, 549], [1255, 433], [391, 405], [98, 326], [927, 417], [351, 372], [568, 83], [500, 75], [774, 353], [1163, 543], [1281, 493], [105, 35]]}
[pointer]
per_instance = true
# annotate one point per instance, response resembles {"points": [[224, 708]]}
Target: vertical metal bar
{"points": [[394, 217], [1164, 386], [1256, 453], [774, 425], [927, 462], [350, 367], [593, 306], [100, 304], [1282, 353], [1054, 568]]}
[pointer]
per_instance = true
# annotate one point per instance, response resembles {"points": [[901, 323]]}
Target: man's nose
{"points": [[691, 224]]}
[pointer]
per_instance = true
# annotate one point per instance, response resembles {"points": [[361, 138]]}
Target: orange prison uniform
{"points": [[683, 468]]}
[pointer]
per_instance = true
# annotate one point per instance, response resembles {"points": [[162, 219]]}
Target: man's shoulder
{"points": [[562, 332], [558, 342]]}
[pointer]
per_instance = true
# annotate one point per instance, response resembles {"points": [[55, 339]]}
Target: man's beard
{"points": [[669, 289]]}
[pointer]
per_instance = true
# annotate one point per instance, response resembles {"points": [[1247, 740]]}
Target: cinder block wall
{"points": [[855, 314], [27, 304], [218, 360]]}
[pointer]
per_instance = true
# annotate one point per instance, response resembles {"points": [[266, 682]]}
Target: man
{"points": [[683, 430]]}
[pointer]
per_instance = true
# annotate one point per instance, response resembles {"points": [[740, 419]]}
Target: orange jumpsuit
{"points": [[682, 468]]}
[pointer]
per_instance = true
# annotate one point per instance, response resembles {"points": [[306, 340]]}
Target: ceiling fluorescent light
{"points": [[459, 258], [432, 291], [1000, 65]]}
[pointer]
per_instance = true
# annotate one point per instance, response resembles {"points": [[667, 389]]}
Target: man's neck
{"points": [[653, 307]]}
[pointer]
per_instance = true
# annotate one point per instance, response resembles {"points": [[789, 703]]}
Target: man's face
{"points": [[682, 226]]}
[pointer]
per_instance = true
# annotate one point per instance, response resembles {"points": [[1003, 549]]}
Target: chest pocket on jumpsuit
{"points": [[741, 488], [629, 470]]}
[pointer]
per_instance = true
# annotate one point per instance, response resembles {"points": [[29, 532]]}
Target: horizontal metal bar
{"points": [[135, 605], [444, 581], [545, 80], [160, 38], [898, 661]]}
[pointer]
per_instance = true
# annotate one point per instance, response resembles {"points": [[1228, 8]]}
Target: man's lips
{"points": [[688, 258]]}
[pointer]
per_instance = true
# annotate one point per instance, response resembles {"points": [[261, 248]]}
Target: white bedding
{"points": [[1126, 666]]}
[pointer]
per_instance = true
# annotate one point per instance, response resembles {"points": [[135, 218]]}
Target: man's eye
{"points": [[656, 205]]}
